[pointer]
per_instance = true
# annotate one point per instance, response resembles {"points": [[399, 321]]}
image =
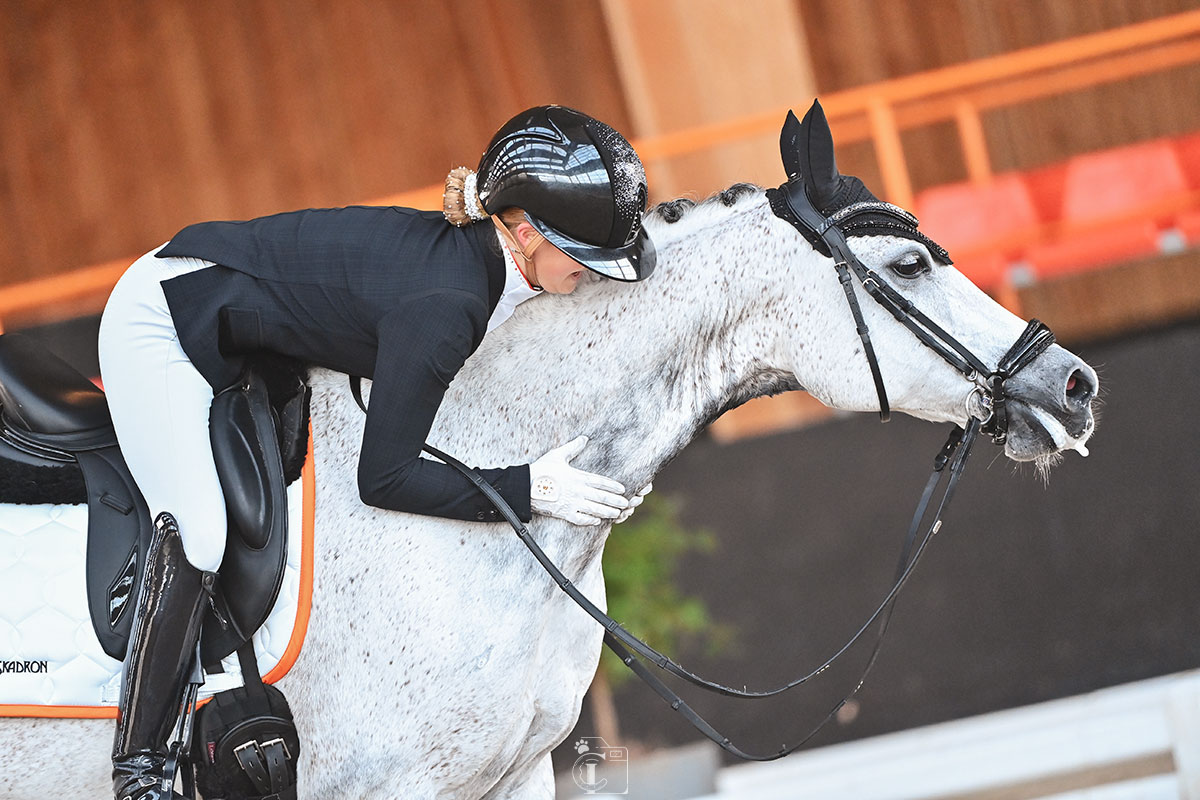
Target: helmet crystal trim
{"points": [[580, 183]]}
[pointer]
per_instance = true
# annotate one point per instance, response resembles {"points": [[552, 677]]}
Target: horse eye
{"points": [[909, 266]]}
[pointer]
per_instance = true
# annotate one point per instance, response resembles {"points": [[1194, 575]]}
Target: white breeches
{"points": [[160, 406]]}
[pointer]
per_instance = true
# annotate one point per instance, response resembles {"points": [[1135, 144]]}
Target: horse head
{"points": [[1048, 403]]}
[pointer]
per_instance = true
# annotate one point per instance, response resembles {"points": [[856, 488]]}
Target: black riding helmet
{"points": [[581, 185]]}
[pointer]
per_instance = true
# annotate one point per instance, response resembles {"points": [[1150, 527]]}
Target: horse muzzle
{"points": [[1050, 406]]}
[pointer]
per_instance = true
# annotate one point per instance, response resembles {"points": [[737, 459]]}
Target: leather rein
{"points": [[986, 412]]}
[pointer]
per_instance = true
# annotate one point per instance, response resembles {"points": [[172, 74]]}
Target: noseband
{"points": [[987, 399]]}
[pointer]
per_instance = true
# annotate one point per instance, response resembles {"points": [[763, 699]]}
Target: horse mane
{"points": [[663, 218]]}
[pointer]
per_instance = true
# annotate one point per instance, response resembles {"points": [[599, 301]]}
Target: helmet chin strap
{"points": [[523, 253]]}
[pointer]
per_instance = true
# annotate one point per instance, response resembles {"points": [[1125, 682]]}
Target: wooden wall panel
{"points": [[854, 42], [686, 63], [1118, 301], [122, 121]]}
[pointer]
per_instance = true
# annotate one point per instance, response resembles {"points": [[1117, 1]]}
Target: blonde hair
{"points": [[460, 201], [512, 216]]}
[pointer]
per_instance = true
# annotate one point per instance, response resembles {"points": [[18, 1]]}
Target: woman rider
{"points": [[397, 295]]}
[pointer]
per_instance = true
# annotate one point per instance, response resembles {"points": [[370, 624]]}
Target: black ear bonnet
{"points": [[844, 200]]}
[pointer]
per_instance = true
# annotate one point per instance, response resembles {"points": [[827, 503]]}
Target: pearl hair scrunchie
{"points": [[471, 203], [460, 201]]}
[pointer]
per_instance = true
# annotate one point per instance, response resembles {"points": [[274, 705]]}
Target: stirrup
{"points": [[181, 741]]}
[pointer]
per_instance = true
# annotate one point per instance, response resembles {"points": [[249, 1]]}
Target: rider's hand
{"points": [[634, 502], [560, 490]]}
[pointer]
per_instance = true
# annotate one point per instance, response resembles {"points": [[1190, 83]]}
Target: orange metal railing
{"points": [[877, 112], [880, 111]]}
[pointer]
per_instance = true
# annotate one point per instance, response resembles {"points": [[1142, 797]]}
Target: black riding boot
{"points": [[160, 658]]}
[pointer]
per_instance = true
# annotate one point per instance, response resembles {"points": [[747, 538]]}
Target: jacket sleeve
{"points": [[421, 347]]}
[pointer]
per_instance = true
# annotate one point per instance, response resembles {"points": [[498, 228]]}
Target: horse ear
{"points": [[789, 146], [818, 164]]}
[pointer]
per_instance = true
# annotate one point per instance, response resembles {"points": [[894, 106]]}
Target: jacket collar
{"points": [[493, 260]]}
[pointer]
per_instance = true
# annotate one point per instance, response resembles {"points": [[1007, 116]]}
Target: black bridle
{"points": [[987, 400], [986, 412]]}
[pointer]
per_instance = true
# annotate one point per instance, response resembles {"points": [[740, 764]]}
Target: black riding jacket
{"points": [[393, 294]]}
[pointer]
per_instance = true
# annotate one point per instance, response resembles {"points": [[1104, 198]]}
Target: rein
{"points": [[986, 412], [954, 453]]}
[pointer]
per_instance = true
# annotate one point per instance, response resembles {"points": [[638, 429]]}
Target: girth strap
{"points": [[268, 764]]}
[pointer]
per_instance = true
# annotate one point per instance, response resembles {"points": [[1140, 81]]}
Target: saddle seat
{"points": [[51, 415], [46, 402]]}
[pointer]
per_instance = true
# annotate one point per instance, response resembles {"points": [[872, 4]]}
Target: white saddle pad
{"points": [[50, 657]]}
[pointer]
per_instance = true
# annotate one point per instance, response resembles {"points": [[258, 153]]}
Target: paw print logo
{"points": [[599, 768]]}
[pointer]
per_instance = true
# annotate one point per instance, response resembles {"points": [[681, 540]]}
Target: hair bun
{"points": [[460, 201]]}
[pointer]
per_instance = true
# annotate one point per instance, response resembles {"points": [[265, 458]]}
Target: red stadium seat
{"points": [[1046, 188], [1120, 181], [1102, 196], [1106, 245], [1189, 225], [1187, 148], [972, 221], [965, 216]]}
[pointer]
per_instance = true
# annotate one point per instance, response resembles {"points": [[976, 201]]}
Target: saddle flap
{"points": [[246, 451], [119, 532]]}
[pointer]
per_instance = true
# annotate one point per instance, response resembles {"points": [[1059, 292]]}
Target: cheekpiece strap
{"points": [[827, 235], [790, 202], [781, 208]]}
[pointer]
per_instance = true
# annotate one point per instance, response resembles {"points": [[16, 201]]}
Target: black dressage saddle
{"points": [[57, 445]]}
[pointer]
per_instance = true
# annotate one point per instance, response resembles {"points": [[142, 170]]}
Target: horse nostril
{"points": [[1079, 388]]}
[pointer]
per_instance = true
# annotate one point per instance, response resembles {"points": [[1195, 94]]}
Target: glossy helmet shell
{"points": [[581, 186]]}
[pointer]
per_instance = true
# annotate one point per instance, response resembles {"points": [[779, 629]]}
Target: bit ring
{"points": [[979, 404]]}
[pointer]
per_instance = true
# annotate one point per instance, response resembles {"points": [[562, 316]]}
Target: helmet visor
{"points": [[631, 262]]}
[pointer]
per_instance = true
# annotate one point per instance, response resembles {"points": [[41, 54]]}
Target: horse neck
{"points": [[639, 368]]}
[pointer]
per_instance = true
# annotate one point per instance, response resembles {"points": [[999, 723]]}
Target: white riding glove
{"points": [[560, 490], [634, 502]]}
